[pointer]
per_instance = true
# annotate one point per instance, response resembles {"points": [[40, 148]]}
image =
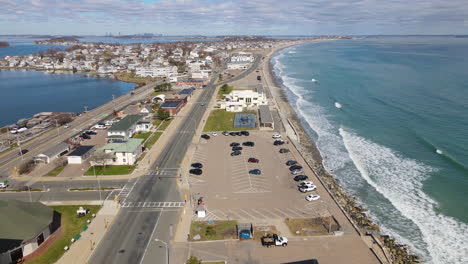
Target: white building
{"points": [[154, 72], [237, 100], [125, 153], [242, 57], [238, 65]]}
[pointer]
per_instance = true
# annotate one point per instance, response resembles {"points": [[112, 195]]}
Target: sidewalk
{"points": [[81, 250]]}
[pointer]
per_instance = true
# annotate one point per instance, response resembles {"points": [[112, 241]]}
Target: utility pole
{"points": [[19, 146], [85, 108], [58, 128]]}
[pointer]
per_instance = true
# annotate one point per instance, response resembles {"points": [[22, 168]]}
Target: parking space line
{"points": [[281, 212], [268, 213]]}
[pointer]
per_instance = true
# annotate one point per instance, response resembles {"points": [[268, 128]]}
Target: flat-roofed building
{"points": [[173, 107], [54, 152], [265, 117], [80, 154]]}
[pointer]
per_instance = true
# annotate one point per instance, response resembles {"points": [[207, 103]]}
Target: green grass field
{"points": [[226, 91], [165, 124], [71, 226], [222, 120], [157, 122], [143, 136], [110, 170], [150, 142], [218, 230], [55, 171]]}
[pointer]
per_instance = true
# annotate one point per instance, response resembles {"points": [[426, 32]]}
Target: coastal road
{"points": [[138, 229], [42, 143]]}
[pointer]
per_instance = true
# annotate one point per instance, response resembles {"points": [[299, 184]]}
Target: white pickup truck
{"points": [[274, 240]]}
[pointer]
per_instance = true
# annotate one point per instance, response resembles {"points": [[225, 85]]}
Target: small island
{"points": [[4, 44], [58, 41]]}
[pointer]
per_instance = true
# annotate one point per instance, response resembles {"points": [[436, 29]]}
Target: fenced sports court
{"points": [[244, 120]]}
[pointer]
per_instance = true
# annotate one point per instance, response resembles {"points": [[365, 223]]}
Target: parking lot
{"points": [[230, 192]]}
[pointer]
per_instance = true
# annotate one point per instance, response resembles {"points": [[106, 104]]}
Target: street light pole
{"points": [[19, 146], [167, 249], [58, 128], [30, 195]]}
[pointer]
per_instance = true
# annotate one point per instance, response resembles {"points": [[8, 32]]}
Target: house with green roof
{"points": [[24, 226], [124, 153], [124, 129]]}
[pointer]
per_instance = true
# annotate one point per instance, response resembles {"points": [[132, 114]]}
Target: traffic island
{"points": [[213, 230], [312, 226], [110, 170]]}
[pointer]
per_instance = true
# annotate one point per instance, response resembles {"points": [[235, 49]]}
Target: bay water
{"points": [[390, 118]]}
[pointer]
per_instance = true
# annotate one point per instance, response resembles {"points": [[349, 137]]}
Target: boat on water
{"points": [[338, 105], [314, 80]]}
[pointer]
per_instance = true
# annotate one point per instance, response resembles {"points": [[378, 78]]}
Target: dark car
{"points": [[234, 144], [245, 133], [236, 153], [84, 136], [23, 151], [291, 162], [301, 178], [196, 171], [255, 171], [278, 142], [236, 148], [248, 144], [225, 133], [91, 132], [233, 133], [253, 160], [205, 136], [238, 133], [197, 165], [284, 150], [295, 167]]}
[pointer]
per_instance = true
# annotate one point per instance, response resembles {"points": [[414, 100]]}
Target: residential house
{"points": [[124, 129], [125, 153]]}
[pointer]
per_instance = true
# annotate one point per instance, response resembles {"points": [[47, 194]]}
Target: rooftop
{"points": [[22, 220], [171, 104], [129, 146], [81, 150], [125, 123], [265, 114], [55, 150]]}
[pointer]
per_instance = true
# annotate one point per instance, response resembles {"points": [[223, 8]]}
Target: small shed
{"points": [[52, 153], [80, 154], [201, 211], [265, 117]]}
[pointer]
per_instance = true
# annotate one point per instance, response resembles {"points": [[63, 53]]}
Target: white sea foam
{"points": [[291, 52], [400, 180], [438, 151], [338, 105], [396, 179]]}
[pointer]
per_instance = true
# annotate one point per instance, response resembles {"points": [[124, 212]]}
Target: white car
{"points": [[214, 134], [3, 185], [98, 126], [312, 197], [305, 184], [276, 136], [308, 189], [66, 126]]}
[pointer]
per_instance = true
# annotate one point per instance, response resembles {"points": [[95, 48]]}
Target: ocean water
{"points": [[27, 92], [390, 118]]}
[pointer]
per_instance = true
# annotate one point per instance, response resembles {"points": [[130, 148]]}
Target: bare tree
{"points": [[101, 158]]}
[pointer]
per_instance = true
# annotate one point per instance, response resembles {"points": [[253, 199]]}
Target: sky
{"points": [[242, 17]]}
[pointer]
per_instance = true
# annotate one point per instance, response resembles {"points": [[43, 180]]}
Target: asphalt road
{"points": [[59, 191], [42, 143], [131, 238]]}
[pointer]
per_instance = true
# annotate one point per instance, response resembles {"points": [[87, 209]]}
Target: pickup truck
{"points": [[274, 240]]}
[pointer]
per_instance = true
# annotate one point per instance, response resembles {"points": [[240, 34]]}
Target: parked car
{"points": [[273, 240], [255, 171], [232, 133], [236, 148], [284, 150], [298, 171], [100, 126], [278, 142], [248, 144], [225, 133], [3, 185], [197, 165], [66, 126], [238, 133], [91, 132], [295, 167], [276, 136], [301, 178], [22, 152], [84, 136], [234, 144], [312, 197], [305, 184], [308, 189], [253, 160], [245, 133], [236, 153], [291, 162], [205, 136], [214, 134], [196, 171]]}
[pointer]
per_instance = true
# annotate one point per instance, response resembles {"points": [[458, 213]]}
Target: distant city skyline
{"points": [[216, 17]]}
